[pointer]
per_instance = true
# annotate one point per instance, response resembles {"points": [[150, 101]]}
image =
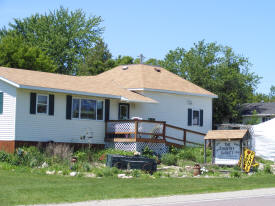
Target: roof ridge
{"points": [[36, 71]]}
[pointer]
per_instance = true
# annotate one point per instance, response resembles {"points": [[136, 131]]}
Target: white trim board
{"points": [[10, 82], [172, 92]]}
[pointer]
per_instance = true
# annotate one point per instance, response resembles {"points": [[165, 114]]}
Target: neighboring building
{"points": [[260, 111], [43, 107]]}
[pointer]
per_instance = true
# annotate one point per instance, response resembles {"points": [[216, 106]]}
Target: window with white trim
{"points": [[87, 109], [42, 104], [195, 117]]}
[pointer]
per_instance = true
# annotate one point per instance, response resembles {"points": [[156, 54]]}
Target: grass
{"points": [[27, 188]]}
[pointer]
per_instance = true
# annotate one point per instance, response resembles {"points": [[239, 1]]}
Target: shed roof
{"points": [[225, 134]]}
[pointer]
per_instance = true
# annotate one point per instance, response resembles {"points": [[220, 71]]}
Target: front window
{"points": [[75, 109], [196, 117], [87, 109], [42, 104]]}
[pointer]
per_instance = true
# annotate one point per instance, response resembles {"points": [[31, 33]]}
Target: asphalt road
{"points": [[257, 197], [251, 201]]}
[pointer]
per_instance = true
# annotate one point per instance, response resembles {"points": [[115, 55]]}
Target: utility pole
{"points": [[141, 58]]}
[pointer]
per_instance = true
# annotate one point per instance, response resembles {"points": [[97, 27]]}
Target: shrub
{"points": [[147, 152], [235, 174], [106, 172], [267, 169], [4, 157], [187, 154], [80, 155], [59, 151], [158, 174], [87, 167], [76, 166], [195, 154], [65, 171], [169, 159], [173, 150], [136, 173]]}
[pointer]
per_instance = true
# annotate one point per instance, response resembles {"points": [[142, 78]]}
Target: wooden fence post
{"points": [[106, 122], [164, 130], [184, 137], [204, 152], [136, 129]]}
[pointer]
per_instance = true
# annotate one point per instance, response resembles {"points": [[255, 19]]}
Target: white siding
{"points": [[173, 109], [114, 109], [41, 127], [7, 118]]}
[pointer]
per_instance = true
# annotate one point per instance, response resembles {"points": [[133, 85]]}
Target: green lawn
{"points": [[27, 188]]}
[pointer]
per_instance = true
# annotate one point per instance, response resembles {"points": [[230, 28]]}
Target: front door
{"points": [[123, 111]]}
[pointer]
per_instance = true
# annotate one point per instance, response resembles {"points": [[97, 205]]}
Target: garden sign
{"points": [[226, 145], [227, 152]]}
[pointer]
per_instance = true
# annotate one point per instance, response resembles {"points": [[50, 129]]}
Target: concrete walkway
{"points": [[177, 199]]}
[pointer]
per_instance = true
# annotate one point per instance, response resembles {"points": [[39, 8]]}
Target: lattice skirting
{"points": [[158, 148]]}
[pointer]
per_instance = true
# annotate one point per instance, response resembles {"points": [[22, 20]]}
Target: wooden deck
{"points": [[148, 131]]}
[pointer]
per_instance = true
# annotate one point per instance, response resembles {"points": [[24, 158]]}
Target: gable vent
{"points": [[157, 70], [124, 68]]}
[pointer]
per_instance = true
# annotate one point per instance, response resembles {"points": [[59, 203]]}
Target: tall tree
{"points": [[15, 53], [98, 60], [218, 69], [272, 93], [65, 36], [121, 60], [260, 97]]}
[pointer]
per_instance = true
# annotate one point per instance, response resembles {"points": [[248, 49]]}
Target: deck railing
{"points": [[151, 131]]}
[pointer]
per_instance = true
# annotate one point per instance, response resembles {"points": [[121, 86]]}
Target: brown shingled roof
{"points": [[151, 77], [69, 83], [225, 134]]}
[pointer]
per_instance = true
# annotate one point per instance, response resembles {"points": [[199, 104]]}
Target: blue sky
{"points": [[153, 27]]}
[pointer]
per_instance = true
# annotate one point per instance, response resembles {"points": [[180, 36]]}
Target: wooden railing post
{"points": [[136, 129], [106, 126], [184, 137], [164, 130]]}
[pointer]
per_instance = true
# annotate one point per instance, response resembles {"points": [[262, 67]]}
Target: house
{"points": [[262, 112], [128, 107]]}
